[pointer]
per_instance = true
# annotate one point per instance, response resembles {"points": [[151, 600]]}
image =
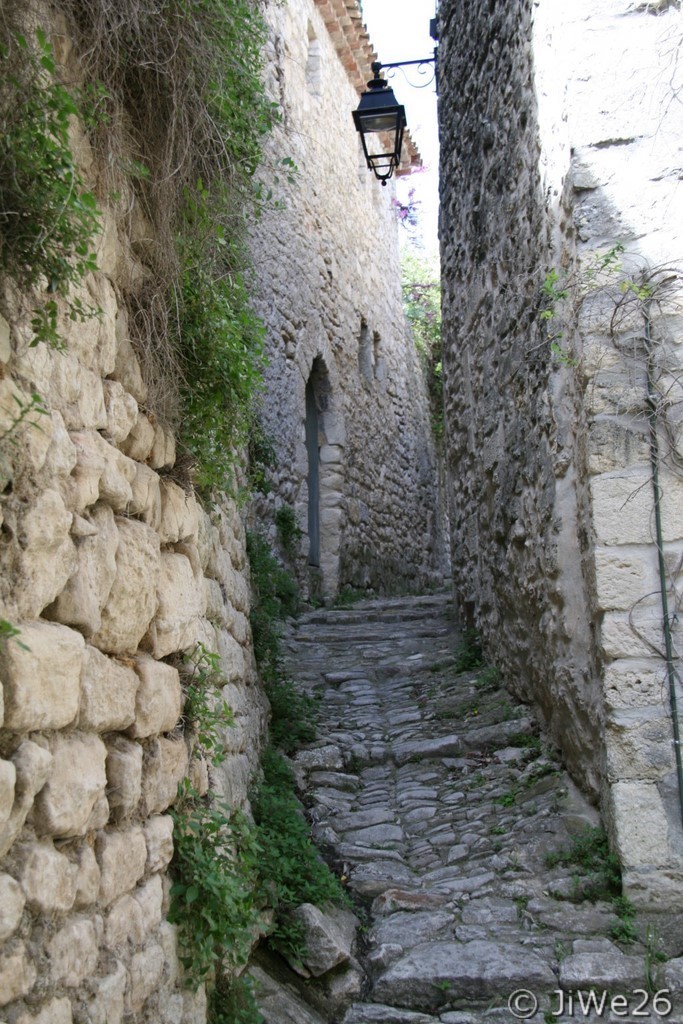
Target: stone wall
{"points": [[517, 518], [109, 569], [625, 127], [329, 287], [559, 136]]}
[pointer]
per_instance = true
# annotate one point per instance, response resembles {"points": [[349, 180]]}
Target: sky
{"points": [[399, 30]]}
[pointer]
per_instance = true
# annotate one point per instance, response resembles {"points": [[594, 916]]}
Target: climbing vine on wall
{"points": [[171, 95], [182, 82]]}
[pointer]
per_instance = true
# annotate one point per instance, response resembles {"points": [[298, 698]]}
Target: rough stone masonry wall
{"points": [[622, 167], [567, 144], [109, 570], [329, 284], [517, 538]]}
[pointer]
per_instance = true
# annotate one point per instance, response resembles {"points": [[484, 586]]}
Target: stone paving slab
{"points": [[440, 803]]}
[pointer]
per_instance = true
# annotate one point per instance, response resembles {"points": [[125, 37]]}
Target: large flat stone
{"points": [[327, 758], [376, 835], [472, 970], [326, 945], [280, 1005], [375, 878], [611, 970], [364, 819], [411, 929], [132, 599], [423, 750], [73, 800], [42, 677]]}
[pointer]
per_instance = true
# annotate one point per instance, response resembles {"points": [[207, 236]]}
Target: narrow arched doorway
{"points": [[313, 454], [325, 440]]}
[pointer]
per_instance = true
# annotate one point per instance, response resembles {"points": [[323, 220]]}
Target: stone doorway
{"points": [[324, 435], [313, 460]]}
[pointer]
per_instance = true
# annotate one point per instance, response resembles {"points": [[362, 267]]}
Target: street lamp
{"points": [[381, 120]]}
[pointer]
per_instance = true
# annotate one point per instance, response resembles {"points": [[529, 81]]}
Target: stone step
{"points": [[381, 610], [434, 974], [366, 633]]}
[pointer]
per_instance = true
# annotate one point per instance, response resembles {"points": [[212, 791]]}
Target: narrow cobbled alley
{"points": [[480, 873]]}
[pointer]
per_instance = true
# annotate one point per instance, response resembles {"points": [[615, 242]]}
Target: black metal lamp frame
{"points": [[379, 113]]}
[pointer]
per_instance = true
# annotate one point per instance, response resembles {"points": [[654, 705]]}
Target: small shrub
{"points": [[508, 799], [527, 741], [489, 679], [469, 654], [276, 595], [215, 863], [348, 596], [540, 772], [288, 530], [207, 712], [624, 931]]}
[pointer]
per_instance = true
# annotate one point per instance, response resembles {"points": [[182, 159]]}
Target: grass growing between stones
{"points": [[598, 874], [598, 877]]}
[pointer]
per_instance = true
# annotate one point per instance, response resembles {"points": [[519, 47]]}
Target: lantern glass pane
{"points": [[379, 122]]}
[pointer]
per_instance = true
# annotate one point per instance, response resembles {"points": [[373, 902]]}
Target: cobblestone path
{"points": [[432, 792]]}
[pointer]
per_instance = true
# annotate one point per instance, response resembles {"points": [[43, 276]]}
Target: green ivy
{"points": [[48, 219]]}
